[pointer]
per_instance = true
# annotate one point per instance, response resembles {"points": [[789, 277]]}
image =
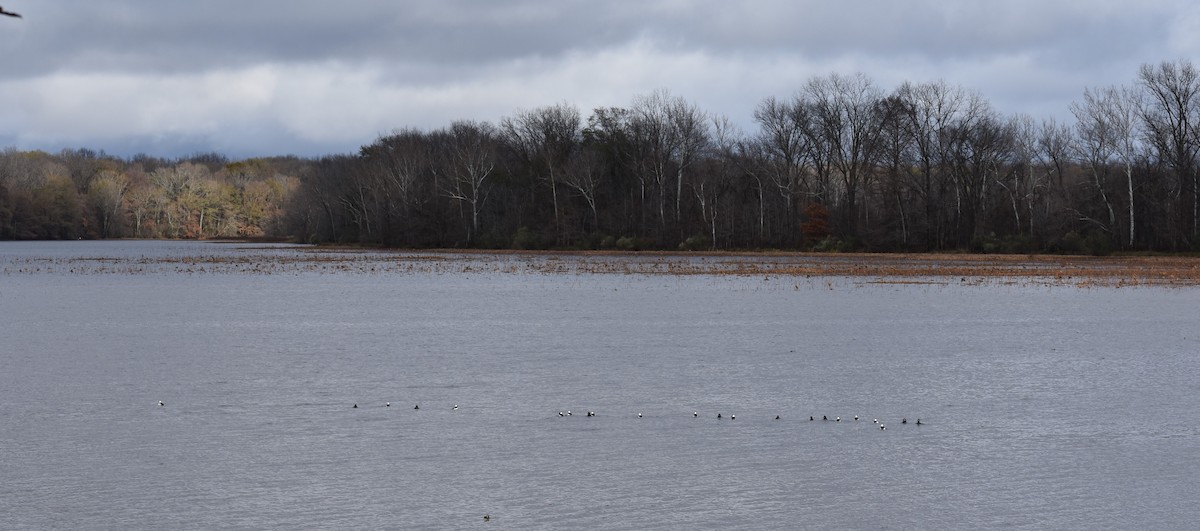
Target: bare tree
{"points": [[689, 126], [546, 138], [583, 174], [469, 158], [784, 149], [106, 193], [936, 112], [844, 111], [1171, 118], [1105, 122], [399, 167], [668, 133], [1054, 157], [710, 183]]}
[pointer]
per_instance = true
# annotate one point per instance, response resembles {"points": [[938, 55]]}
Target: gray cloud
{"points": [[309, 77]]}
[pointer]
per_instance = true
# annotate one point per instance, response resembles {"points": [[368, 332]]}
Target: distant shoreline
{"points": [[1118, 270], [895, 268]]}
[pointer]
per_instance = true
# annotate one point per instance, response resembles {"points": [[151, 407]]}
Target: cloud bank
{"points": [[309, 78]]}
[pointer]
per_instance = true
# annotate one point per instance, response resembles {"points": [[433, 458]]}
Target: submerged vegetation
{"points": [[842, 165]]}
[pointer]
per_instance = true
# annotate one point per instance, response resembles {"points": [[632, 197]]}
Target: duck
{"points": [[160, 402], [418, 406], [718, 415], [904, 420], [732, 417], [456, 407], [856, 417], [355, 406], [918, 422], [387, 404], [639, 415], [9, 13], [776, 417], [695, 413]]}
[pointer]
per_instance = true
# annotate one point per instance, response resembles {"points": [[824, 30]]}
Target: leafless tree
{"points": [[784, 149], [106, 193], [546, 138], [1106, 123], [668, 133], [844, 112], [469, 156], [584, 174], [936, 111], [1171, 119]]}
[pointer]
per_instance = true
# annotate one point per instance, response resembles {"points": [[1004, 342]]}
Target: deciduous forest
{"points": [[842, 164]]}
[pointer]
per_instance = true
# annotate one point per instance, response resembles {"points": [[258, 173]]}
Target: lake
{"points": [[1042, 406]]}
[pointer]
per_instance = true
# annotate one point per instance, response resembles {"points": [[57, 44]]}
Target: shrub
{"points": [[630, 243], [525, 238], [829, 244], [1095, 243], [698, 242]]}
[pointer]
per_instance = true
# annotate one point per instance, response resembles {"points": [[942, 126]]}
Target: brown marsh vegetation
{"points": [[967, 269]]}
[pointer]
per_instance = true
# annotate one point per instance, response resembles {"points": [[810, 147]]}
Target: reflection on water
{"points": [[1042, 407]]}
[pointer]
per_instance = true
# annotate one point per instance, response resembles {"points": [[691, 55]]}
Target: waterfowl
{"points": [[810, 417], [856, 417], [560, 413], [718, 415], [732, 417], [456, 407], [882, 427], [487, 518], [639, 415], [776, 417], [695, 414], [839, 419], [918, 422], [160, 402], [9, 13], [824, 417], [387, 404], [418, 406], [904, 420], [355, 406]]}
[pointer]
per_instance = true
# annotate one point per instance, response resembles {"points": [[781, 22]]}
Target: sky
{"points": [[249, 78]]}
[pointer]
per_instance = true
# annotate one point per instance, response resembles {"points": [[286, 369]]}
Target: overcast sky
{"points": [[305, 77]]}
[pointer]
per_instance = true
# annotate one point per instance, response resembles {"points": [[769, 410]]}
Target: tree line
{"points": [[87, 194], [842, 164]]}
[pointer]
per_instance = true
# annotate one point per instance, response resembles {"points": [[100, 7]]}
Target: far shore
{"points": [[895, 268], [1115, 270]]}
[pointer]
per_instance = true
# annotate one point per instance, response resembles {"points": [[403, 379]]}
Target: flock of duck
{"points": [[695, 414]]}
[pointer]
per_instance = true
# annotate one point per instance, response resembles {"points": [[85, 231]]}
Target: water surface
{"points": [[1042, 407]]}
